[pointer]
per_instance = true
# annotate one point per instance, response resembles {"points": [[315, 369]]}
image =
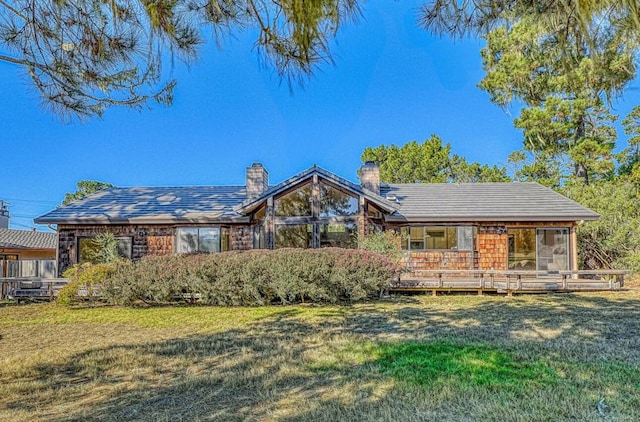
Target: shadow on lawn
{"points": [[288, 368]]}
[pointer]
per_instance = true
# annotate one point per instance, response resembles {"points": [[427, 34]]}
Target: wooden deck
{"points": [[19, 288], [509, 282]]}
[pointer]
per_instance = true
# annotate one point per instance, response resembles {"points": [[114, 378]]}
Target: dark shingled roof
{"points": [[443, 202], [195, 204], [459, 202], [27, 239]]}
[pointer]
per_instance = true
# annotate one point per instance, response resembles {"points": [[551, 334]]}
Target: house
{"points": [[27, 252], [500, 226]]}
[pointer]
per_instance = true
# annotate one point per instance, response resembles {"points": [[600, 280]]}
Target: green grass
{"points": [[430, 364], [547, 357]]}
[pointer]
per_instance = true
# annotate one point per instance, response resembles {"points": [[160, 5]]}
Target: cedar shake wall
{"points": [[146, 239], [160, 245], [241, 238], [441, 260], [493, 243], [491, 248], [161, 238]]}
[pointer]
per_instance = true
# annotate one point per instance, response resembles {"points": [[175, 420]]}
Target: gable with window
{"points": [[313, 215]]}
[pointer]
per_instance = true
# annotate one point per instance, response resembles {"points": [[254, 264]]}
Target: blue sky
{"points": [[392, 82]]}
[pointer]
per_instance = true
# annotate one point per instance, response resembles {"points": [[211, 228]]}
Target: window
{"points": [[202, 239], [259, 237], [259, 228], [553, 249], [418, 238], [125, 247], [339, 235], [294, 235], [296, 203], [522, 249], [334, 202], [315, 214], [89, 249], [373, 212]]}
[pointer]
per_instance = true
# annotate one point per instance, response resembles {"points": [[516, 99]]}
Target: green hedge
{"points": [[259, 277], [85, 277]]}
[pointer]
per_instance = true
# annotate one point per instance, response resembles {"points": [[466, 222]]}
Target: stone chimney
{"points": [[257, 180], [370, 177]]}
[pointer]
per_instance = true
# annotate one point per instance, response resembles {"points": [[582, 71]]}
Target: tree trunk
{"points": [[580, 169]]}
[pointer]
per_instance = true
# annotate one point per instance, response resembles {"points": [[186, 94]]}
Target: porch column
{"points": [[315, 212], [573, 249], [269, 225], [362, 219]]}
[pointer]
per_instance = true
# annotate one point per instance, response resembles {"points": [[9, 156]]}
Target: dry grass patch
{"points": [[547, 357]]}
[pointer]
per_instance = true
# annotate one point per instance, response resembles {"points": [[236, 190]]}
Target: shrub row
{"points": [[250, 278], [84, 282]]}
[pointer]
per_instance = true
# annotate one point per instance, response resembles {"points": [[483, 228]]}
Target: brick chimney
{"points": [[370, 177], [257, 180]]}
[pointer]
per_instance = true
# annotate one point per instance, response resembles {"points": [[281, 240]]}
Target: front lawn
{"points": [[414, 358]]}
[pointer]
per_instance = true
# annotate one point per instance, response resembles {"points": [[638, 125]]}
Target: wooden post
{"points": [[269, 225], [362, 218], [315, 211], [573, 249]]}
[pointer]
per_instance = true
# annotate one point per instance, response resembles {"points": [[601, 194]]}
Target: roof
{"points": [[459, 202], [252, 203], [27, 239], [444, 202], [157, 205]]}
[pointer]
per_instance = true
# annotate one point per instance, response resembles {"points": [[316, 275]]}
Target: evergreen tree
{"points": [[429, 162], [566, 123], [85, 188], [84, 56]]}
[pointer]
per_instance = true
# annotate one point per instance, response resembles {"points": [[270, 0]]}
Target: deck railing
{"points": [[42, 268], [32, 278], [31, 288], [510, 281]]}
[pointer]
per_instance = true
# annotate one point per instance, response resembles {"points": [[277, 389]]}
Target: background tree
{"points": [[84, 56], [456, 18], [85, 188], [629, 158], [565, 61], [613, 241], [566, 122], [428, 162]]}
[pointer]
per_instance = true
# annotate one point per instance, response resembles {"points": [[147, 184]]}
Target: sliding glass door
{"points": [[539, 249], [552, 249]]}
